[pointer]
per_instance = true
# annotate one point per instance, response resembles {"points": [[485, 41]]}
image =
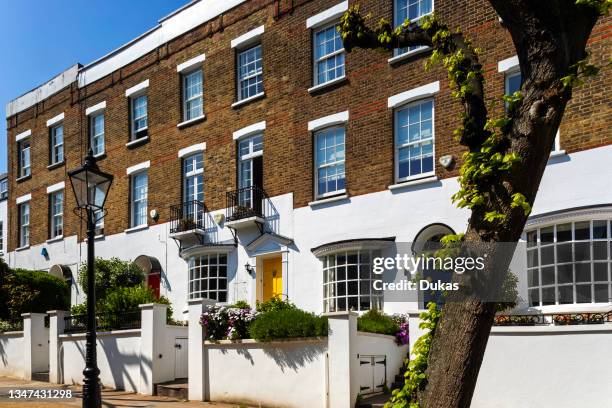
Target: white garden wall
{"points": [[118, 359], [380, 345], [287, 374], [546, 367], [11, 354]]}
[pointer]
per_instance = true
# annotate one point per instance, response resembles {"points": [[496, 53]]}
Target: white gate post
{"points": [[195, 351], [153, 324], [57, 325], [35, 344], [343, 363]]}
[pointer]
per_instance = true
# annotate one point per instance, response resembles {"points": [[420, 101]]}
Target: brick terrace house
{"points": [[254, 158]]}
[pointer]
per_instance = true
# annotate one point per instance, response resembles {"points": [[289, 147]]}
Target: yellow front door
{"points": [[272, 278]]}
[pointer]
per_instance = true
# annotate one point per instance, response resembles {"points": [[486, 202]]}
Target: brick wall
{"points": [[287, 107]]}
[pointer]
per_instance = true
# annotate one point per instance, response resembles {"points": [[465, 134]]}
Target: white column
{"points": [[285, 271], [57, 325], [35, 344], [195, 352], [343, 362], [151, 340]]}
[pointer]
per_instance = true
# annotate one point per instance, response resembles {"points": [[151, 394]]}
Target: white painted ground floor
{"points": [[319, 256]]}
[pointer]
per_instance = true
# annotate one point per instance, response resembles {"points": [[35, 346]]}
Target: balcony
{"points": [[245, 207], [188, 221]]}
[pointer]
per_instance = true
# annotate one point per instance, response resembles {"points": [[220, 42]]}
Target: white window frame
{"points": [[133, 119], [397, 147], [25, 170], [397, 55], [3, 189], [248, 156], [24, 227], [315, 61], [184, 76], [246, 48], [57, 149], [56, 219], [330, 286], [192, 174], [1, 237], [192, 293], [134, 201], [554, 245], [93, 136], [337, 162]]}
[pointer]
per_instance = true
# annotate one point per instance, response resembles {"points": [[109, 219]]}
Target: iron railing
{"points": [[188, 216], [104, 322], [245, 202], [557, 319]]}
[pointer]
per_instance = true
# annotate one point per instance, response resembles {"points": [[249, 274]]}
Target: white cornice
{"points": [[96, 108], [137, 88], [247, 38], [200, 147], [138, 167], [189, 64], [24, 198], [328, 15], [55, 119], [56, 187], [23, 135], [508, 64]]}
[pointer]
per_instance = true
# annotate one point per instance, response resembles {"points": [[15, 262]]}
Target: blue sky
{"points": [[41, 38]]}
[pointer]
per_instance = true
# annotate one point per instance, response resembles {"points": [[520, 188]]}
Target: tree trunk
{"points": [[550, 36]]}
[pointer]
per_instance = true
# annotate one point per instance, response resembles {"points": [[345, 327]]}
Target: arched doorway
{"points": [[427, 241], [63, 272], [152, 271]]}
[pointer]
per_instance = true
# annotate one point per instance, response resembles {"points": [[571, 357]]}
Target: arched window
{"points": [[427, 241]]}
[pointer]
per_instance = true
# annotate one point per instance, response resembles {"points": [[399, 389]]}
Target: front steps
{"points": [[41, 376], [175, 389]]}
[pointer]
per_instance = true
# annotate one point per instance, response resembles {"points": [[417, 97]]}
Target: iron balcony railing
{"points": [[104, 322], [188, 216], [245, 202], [557, 319]]}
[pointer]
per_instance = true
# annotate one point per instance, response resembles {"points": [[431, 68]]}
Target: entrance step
{"points": [[41, 376], [375, 401], [174, 389]]}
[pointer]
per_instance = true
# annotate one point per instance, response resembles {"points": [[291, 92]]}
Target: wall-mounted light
{"points": [[154, 214], [249, 268], [44, 253]]}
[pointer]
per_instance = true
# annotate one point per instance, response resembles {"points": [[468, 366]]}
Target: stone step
{"points": [[41, 376], [374, 401], [174, 389]]}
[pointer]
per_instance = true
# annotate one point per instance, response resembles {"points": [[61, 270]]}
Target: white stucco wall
{"points": [[4, 231], [11, 354], [118, 359], [281, 374], [578, 179], [547, 367]]}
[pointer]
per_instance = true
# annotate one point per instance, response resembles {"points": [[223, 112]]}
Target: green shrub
{"points": [[6, 326], [26, 291], [127, 299], [241, 304], [287, 323], [274, 304], [79, 309], [111, 274], [375, 321]]}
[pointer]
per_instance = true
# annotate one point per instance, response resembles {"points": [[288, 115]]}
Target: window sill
{"points": [[22, 248], [136, 228], [100, 156], [23, 178], [137, 142], [55, 165], [406, 55], [190, 122], [557, 153], [333, 199], [247, 100], [322, 86], [55, 239], [414, 182]]}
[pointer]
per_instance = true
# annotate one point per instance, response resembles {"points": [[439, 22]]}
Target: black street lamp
{"points": [[90, 186]]}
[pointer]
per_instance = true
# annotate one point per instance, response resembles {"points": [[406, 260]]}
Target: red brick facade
{"points": [[286, 107]]}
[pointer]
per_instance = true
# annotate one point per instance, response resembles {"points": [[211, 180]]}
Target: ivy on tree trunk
{"points": [[505, 157]]}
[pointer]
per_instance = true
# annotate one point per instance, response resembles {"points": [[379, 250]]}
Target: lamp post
{"points": [[90, 186]]}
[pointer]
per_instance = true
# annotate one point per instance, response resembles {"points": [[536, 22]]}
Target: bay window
{"points": [[208, 276], [348, 281], [569, 263]]}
